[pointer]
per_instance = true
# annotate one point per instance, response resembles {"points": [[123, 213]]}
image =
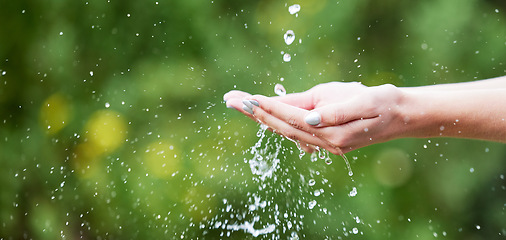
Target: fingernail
{"points": [[313, 118], [247, 109], [254, 102], [247, 103]]}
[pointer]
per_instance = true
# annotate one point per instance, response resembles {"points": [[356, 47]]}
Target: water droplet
{"points": [[328, 161], [294, 236], [91, 73], [353, 192], [311, 182], [317, 193], [294, 9], [321, 154], [279, 90], [355, 230], [350, 172], [289, 37], [287, 57], [312, 204], [107, 105], [314, 157]]}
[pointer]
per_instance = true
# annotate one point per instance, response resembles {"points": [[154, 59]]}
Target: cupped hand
{"points": [[350, 115], [234, 100]]}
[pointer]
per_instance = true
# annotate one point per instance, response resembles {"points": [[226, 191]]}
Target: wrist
{"points": [[421, 114]]}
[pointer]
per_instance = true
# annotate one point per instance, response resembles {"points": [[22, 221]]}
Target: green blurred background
{"points": [[112, 124]]}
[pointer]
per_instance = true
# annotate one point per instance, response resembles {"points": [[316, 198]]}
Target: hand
{"points": [[351, 114], [234, 100]]}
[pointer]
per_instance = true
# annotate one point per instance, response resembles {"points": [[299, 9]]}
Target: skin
{"points": [[355, 116]]}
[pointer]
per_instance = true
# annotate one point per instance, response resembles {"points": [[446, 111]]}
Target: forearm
{"points": [[492, 83], [478, 114]]}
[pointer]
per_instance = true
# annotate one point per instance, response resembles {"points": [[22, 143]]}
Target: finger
{"points": [[340, 113], [284, 128], [302, 100], [287, 113], [235, 94], [234, 101]]}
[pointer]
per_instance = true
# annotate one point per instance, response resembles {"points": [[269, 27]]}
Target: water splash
{"points": [[324, 154], [264, 161]]}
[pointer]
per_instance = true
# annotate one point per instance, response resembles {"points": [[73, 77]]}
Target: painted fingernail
{"points": [[313, 118], [247, 103], [247, 109], [254, 102]]}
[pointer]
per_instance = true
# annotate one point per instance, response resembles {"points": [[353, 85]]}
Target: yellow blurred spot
{"points": [[105, 131], [393, 167], [162, 159], [85, 160], [54, 113]]}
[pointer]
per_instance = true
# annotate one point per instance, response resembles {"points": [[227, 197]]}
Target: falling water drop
{"points": [[322, 154], [353, 192], [350, 173], [312, 204], [294, 9], [317, 192], [289, 37], [287, 57], [311, 182], [279, 90]]}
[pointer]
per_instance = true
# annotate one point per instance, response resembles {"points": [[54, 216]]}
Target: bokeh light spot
{"points": [[162, 159], [105, 131], [393, 168], [54, 113]]}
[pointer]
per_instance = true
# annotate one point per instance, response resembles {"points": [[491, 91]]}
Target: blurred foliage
{"points": [[112, 124]]}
